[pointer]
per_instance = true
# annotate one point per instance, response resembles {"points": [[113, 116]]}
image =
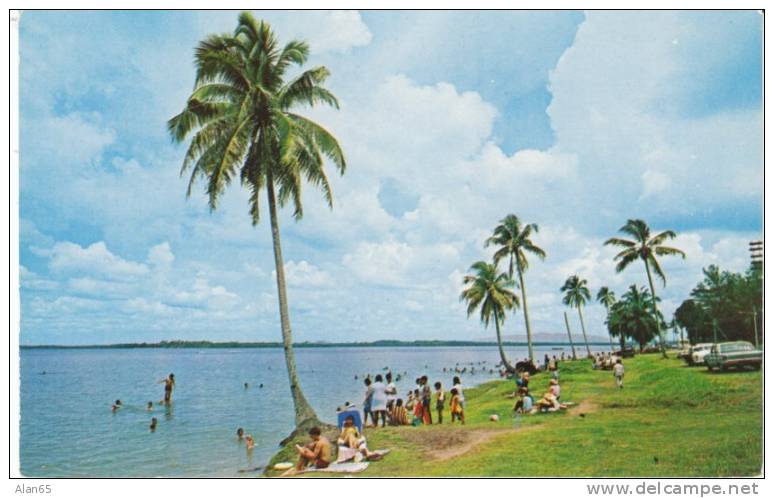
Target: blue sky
{"points": [[449, 120]]}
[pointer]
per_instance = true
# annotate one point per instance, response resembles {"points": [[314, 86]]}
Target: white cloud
{"points": [[305, 274], [653, 183], [337, 31], [161, 255], [67, 257]]}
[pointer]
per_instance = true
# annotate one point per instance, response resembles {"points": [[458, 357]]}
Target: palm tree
{"points": [[576, 295], [512, 240], [646, 248], [241, 120], [607, 298], [491, 292], [633, 317]]}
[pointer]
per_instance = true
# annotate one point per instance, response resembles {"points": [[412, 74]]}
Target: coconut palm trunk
{"points": [[304, 411], [526, 312], [506, 364], [655, 310], [583, 328], [569, 336]]}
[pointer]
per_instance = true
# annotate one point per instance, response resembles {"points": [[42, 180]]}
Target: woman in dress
{"points": [[379, 401]]}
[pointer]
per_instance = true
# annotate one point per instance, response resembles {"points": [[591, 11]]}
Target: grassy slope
{"points": [[692, 422]]}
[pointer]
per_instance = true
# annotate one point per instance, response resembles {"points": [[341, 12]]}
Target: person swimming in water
{"points": [[116, 405], [240, 434], [150, 406], [153, 423], [169, 384], [250, 442]]}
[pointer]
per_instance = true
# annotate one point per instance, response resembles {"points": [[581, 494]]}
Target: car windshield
{"points": [[736, 347]]}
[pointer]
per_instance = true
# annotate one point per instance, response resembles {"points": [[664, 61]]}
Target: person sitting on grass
{"points": [[352, 445], [555, 389], [399, 414], [316, 453], [455, 406], [525, 401], [549, 403], [523, 381]]}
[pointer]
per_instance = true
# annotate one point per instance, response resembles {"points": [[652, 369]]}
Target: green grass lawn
{"points": [[669, 420]]}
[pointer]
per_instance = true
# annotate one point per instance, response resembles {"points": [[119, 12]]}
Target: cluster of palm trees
{"points": [[635, 316], [490, 290], [242, 123]]}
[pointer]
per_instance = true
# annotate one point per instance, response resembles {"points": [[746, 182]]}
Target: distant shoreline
{"points": [[278, 345]]}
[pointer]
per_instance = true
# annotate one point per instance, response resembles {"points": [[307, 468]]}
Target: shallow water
{"points": [[68, 430]]}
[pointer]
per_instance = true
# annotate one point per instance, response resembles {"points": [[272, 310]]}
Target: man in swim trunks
{"points": [[169, 384], [317, 452]]}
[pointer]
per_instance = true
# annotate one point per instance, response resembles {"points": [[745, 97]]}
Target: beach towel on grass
{"points": [[341, 468]]}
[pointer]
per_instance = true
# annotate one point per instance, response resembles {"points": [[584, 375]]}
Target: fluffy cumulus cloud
{"points": [[112, 249]]}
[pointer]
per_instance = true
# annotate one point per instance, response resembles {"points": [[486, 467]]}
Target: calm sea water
{"points": [[68, 429]]}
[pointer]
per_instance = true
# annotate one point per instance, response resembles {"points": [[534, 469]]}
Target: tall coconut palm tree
{"points": [[576, 293], [490, 291], [242, 122], [607, 298], [512, 240], [645, 247]]}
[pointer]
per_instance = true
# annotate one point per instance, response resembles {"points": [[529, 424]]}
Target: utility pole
{"points": [[569, 335], [756, 254]]}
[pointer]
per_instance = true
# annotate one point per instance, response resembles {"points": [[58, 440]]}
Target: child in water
{"points": [[440, 400], [250, 442], [116, 405], [240, 434], [150, 406], [153, 424]]}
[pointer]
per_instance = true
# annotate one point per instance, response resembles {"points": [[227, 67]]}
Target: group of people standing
{"points": [[381, 402]]}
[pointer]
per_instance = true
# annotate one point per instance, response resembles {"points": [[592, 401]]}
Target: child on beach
{"points": [[455, 406], [458, 386], [618, 373], [399, 414], [439, 401], [392, 392], [427, 394], [417, 408]]}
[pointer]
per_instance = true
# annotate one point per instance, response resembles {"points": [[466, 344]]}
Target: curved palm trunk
{"points": [[569, 336], [506, 363], [304, 411], [526, 314], [655, 310], [583, 328], [623, 341]]}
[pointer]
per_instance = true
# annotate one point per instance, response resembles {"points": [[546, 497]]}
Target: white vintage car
{"points": [[698, 352]]}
